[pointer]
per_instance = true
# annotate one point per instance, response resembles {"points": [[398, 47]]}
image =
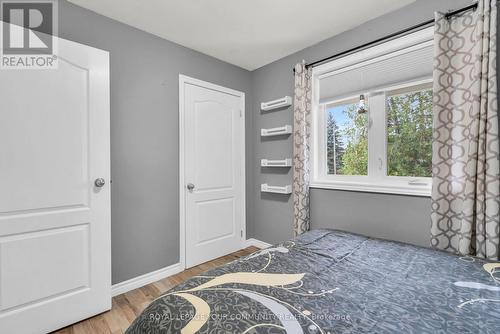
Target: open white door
{"points": [[212, 170], [55, 256]]}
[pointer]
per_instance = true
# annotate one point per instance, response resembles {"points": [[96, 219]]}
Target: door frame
{"points": [[183, 80]]}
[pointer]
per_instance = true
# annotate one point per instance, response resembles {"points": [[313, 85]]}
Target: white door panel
{"points": [[59, 147], [55, 258], [214, 164], [213, 133], [69, 256], [214, 219]]}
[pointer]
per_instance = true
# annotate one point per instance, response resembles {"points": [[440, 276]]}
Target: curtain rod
{"points": [[389, 37]]}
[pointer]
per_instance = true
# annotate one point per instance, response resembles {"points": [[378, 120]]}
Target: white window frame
{"points": [[377, 179]]}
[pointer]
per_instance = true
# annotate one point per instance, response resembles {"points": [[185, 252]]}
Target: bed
{"points": [[329, 281]]}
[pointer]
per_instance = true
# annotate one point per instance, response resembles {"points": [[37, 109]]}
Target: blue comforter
{"points": [[329, 281]]}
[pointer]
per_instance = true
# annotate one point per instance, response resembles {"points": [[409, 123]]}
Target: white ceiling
{"points": [[246, 33]]}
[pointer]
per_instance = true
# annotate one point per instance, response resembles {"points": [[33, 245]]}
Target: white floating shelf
{"points": [[279, 103], [276, 163], [286, 190], [282, 130]]}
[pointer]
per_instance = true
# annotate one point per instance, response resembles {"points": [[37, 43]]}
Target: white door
{"points": [[54, 221], [212, 178]]}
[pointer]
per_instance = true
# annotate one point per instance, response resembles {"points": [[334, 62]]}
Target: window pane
{"points": [[409, 134], [346, 140]]}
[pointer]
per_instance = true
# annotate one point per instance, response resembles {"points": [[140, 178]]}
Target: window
{"points": [[346, 140], [409, 132], [372, 119]]}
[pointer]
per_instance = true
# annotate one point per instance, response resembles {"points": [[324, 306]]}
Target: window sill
{"points": [[395, 189]]}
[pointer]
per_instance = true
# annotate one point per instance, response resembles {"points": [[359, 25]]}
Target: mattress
{"points": [[329, 281]]}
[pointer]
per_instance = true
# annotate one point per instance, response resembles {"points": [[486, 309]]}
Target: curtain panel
{"points": [[301, 148], [466, 169]]}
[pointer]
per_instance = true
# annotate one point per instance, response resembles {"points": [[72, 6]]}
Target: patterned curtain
{"points": [[466, 171], [301, 136]]}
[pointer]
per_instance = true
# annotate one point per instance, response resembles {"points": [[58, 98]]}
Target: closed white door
{"points": [[212, 143], [54, 220]]}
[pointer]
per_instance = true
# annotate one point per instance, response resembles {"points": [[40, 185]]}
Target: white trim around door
{"points": [[183, 81]]}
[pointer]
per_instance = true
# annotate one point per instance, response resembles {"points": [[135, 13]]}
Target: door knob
{"points": [[99, 183], [190, 186]]}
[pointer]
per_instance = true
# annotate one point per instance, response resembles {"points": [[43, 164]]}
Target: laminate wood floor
{"points": [[128, 306]]}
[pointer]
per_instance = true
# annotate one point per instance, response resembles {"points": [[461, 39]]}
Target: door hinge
{"points": [[241, 233], [241, 113]]}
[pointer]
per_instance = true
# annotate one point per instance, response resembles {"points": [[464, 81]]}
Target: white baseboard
{"points": [[256, 243], [140, 281]]}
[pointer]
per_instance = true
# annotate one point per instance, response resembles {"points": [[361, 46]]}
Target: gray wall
{"points": [[400, 218], [144, 133], [392, 217]]}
